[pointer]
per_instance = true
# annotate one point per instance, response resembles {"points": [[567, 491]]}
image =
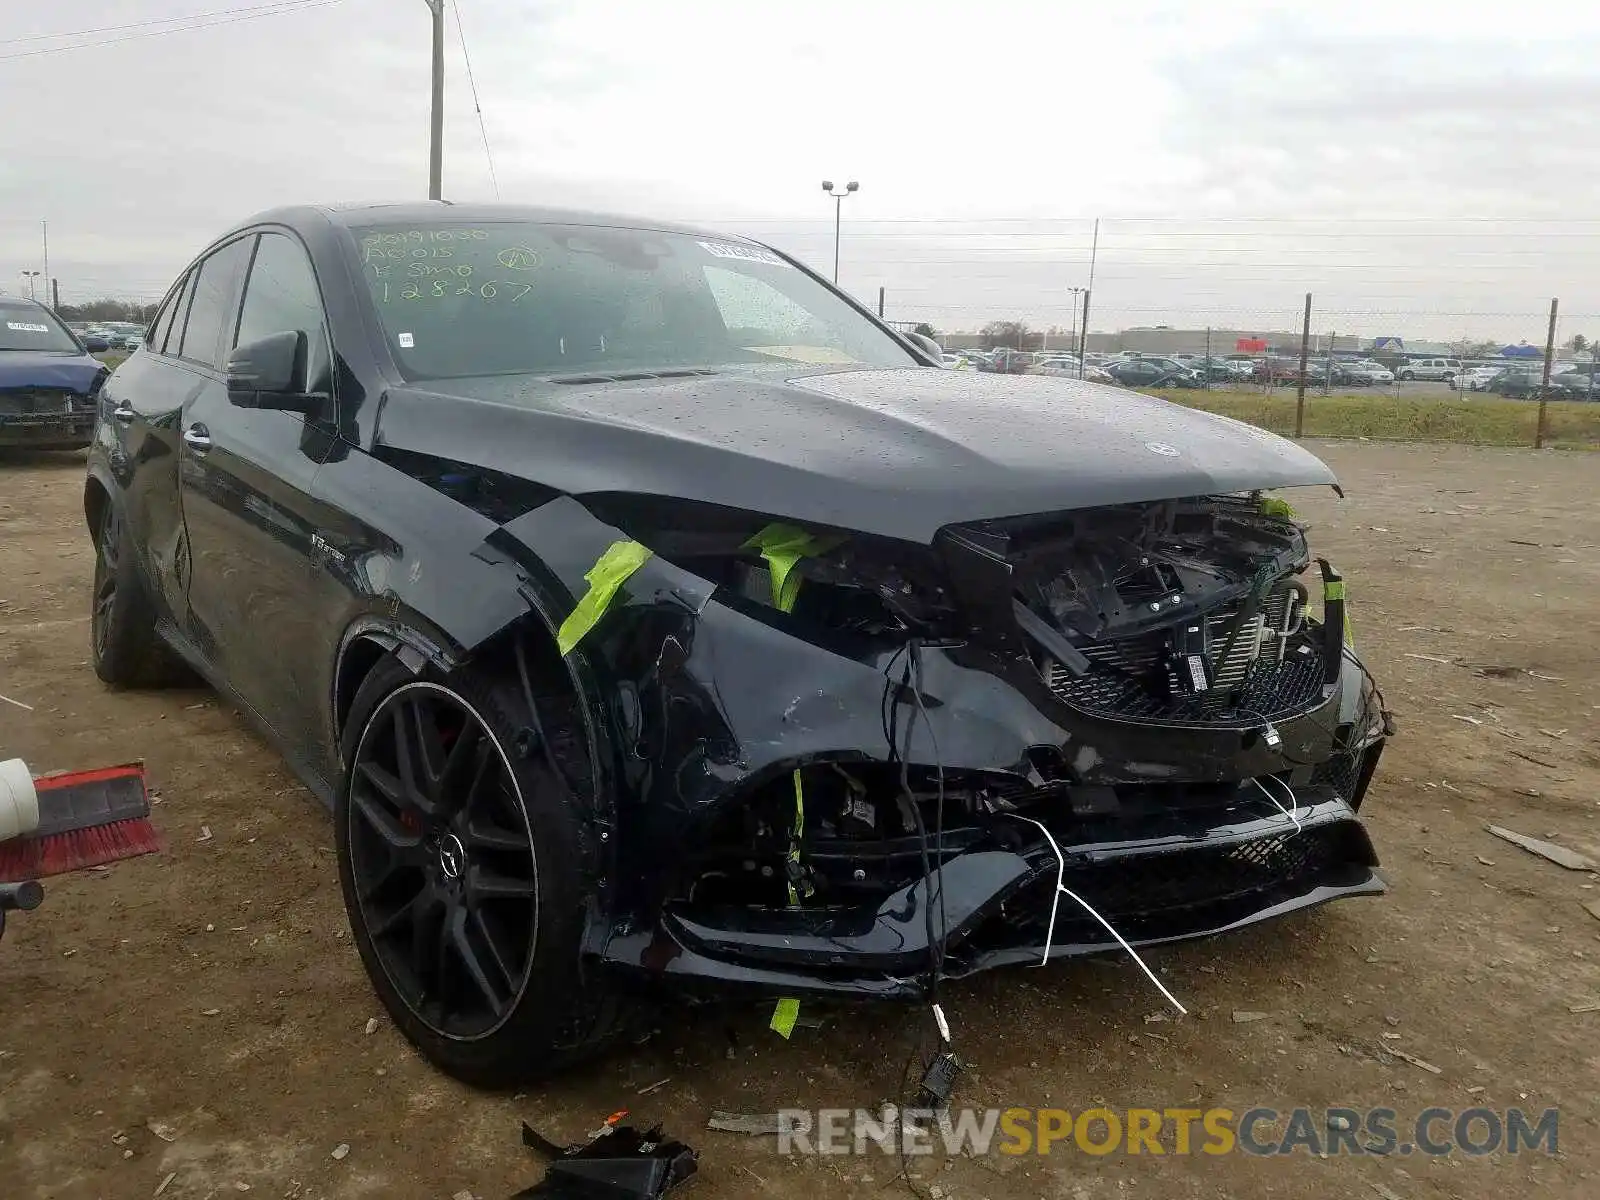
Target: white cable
{"points": [[1293, 811], [1062, 889]]}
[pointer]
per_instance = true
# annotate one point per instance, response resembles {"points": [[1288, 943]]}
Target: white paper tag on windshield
{"points": [[407, 342], [27, 327], [757, 254]]}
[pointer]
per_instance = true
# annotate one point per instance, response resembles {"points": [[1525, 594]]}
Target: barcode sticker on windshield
{"points": [[757, 254], [27, 327]]}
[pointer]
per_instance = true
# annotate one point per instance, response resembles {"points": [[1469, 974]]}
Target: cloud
{"points": [[1021, 121]]}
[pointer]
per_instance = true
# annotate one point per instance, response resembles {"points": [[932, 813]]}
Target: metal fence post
{"points": [[1300, 400], [1544, 386]]}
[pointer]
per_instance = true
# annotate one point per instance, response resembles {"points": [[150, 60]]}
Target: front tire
{"points": [[462, 861], [1406, 376]]}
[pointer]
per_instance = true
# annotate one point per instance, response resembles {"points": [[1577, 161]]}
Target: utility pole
{"points": [[436, 117], [1076, 292], [1300, 400], [30, 276], [880, 302], [55, 293], [1083, 332], [1208, 358], [1083, 337], [44, 228], [1544, 387]]}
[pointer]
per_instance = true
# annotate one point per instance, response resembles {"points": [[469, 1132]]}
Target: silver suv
{"points": [[1443, 369]]}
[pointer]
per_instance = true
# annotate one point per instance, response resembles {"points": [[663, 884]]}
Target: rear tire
{"points": [[123, 643], [464, 863]]}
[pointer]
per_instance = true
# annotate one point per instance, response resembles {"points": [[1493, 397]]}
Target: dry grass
{"points": [[1486, 421]]}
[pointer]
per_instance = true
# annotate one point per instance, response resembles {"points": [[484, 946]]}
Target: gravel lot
{"points": [[211, 992]]}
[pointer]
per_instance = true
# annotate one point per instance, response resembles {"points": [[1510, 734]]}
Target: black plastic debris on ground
{"points": [[620, 1163]]}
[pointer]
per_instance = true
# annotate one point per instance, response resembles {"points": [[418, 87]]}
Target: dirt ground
{"points": [[212, 992]]}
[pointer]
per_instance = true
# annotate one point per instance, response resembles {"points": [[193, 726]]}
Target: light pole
{"points": [[1076, 292], [30, 276], [838, 204], [436, 116]]}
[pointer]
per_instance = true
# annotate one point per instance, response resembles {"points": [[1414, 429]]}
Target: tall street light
{"points": [[1076, 349], [838, 203], [436, 116], [30, 276]]}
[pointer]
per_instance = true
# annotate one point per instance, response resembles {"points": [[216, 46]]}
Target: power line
{"points": [[221, 12], [289, 6], [473, 84]]}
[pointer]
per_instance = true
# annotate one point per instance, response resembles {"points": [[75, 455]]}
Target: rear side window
{"points": [[172, 335], [212, 308], [281, 296], [156, 337]]}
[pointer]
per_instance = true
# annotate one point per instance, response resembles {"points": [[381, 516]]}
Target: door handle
{"points": [[123, 412], [197, 438]]}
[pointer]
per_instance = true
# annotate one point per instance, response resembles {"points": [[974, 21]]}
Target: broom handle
{"points": [[23, 896]]}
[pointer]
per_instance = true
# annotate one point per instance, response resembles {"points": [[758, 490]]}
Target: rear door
{"points": [[247, 485], [140, 411]]}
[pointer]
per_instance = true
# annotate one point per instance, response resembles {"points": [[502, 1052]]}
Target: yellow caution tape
{"points": [[783, 546], [607, 575], [784, 1016], [1333, 589]]}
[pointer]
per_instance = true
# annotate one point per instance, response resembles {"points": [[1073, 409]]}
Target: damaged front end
{"points": [[841, 763]]}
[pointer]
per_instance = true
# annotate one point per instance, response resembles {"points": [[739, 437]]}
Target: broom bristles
{"points": [[35, 858]]}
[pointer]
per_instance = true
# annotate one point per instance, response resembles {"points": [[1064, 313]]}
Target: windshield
{"points": [[516, 297], [29, 327]]}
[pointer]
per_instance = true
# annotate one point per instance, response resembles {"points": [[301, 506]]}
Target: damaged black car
{"points": [[654, 618]]}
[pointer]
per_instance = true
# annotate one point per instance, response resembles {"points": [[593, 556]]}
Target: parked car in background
{"points": [[1577, 385], [1152, 373], [1440, 370], [1067, 368], [132, 341], [1374, 373], [1523, 383], [49, 384], [1474, 379]]}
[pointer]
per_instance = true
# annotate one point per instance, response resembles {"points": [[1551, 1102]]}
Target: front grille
{"points": [[1269, 689], [35, 401]]}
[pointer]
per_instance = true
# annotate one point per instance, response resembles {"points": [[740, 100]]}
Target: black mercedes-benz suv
{"points": [[652, 616]]}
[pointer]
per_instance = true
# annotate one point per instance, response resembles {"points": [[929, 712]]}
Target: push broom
{"points": [[72, 820]]}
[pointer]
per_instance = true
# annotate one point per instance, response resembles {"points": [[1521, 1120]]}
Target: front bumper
{"points": [[1184, 878], [30, 429]]}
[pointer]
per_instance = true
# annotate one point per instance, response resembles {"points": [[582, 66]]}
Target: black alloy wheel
{"points": [[442, 861]]}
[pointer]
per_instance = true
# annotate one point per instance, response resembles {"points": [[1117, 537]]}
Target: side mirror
{"points": [[926, 344], [270, 372]]}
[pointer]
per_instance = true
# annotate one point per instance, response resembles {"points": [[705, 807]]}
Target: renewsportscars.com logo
{"points": [[1101, 1131]]}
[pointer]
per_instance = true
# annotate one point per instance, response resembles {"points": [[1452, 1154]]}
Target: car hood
{"points": [[895, 452], [31, 368]]}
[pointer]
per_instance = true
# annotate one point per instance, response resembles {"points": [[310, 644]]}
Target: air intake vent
{"points": [[630, 376]]}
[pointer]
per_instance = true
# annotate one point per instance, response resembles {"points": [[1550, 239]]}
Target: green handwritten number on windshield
{"points": [[456, 282]]}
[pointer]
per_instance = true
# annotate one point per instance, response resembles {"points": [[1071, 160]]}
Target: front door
{"points": [[246, 496]]}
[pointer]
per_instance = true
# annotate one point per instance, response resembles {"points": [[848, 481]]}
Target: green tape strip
{"points": [[1333, 589], [783, 546], [784, 1016], [1271, 506], [607, 575]]}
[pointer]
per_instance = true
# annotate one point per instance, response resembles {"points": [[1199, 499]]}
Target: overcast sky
{"points": [[1426, 168]]}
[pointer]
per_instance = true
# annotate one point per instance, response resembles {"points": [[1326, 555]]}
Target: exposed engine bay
{"points": [[1220, 734]]}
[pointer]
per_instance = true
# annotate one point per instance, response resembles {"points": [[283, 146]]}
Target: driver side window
{"points": [[280, 295]]}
